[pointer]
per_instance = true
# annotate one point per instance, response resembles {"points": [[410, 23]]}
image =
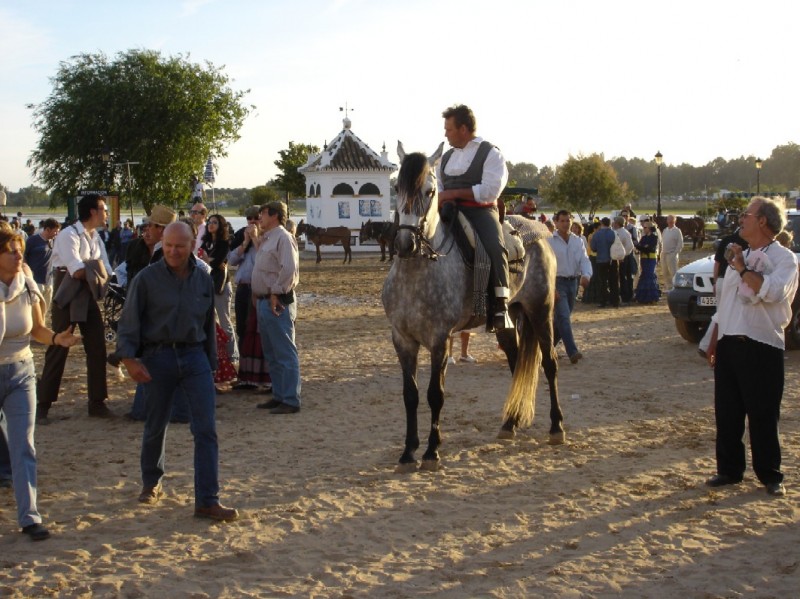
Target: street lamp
{"points": [[128, 164], [659, 159], [759, 164]]}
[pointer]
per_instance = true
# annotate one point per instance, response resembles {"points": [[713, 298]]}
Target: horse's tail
{"points": [[520, 404]]}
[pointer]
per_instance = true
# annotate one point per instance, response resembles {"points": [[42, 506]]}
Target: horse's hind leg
{"points": [[319, 255], [383, 251], [430, 459], [507, 340], [550, 366]]}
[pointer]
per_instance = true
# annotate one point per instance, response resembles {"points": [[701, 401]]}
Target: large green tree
{"points": [[166, 113], [289, 180], [584, 184]]}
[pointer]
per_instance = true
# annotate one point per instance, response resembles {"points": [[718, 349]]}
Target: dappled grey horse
{"points": [[428, 294]]}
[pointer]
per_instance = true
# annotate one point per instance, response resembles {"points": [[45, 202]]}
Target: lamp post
{"points": [[128, 164], [759, 164], [659, 159]]}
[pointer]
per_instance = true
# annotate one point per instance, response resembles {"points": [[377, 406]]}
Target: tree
{"points": [[586, 184], [263, 195], [167, 114], [289, 180], [522, 174]]}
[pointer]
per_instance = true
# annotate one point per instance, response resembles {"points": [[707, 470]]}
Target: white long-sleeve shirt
{"points": [[671, 240], [73, 245], [764, 316], [571, 258]]}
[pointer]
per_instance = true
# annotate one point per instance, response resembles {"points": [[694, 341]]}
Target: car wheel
{"points": [[691, 331], [792, 330]]}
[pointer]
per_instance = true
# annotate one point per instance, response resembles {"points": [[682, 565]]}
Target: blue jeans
{"points": [[567, 290], [18, 402], [5, 457], [277, 342], [180, 409], [187, 369], [222, 305]]}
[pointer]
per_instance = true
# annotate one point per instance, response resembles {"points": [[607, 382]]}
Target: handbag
{"points": [[617, 249], [219, 276]]}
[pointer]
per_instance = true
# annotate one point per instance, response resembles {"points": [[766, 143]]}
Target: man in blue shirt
{"points": [[39, 256], [607, 271]]}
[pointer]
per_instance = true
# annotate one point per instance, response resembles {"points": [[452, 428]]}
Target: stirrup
{"points": [[502, 320]]}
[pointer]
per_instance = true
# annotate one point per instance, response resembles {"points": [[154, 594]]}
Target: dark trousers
{"points": [[242, 304], [94, 343], [608, 283], [748, 383], [486, 222], [627, 270]]}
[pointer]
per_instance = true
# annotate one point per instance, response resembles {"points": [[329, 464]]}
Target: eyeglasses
{"points": [[249, 218], [197, 211], [272, 211], [746, 214]]}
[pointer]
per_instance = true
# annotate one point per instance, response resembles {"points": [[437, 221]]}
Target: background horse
{"points": [[326, 236], [382, 231], [694, 228], [427, 295]]}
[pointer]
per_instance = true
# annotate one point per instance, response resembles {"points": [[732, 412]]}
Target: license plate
{"points": [[707, 301]]}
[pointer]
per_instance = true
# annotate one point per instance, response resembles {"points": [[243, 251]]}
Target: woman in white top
{"points": [[21, 319]]}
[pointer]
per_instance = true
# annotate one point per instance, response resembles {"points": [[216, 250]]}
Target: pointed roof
{"points": [[347, 152]]}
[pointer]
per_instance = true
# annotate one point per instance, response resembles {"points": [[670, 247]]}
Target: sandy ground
{"points": [[619, 510]]}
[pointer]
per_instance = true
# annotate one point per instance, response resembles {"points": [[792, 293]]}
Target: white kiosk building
{"points": [[347, 184]]}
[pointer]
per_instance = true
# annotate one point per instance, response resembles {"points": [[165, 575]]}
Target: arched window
{"points": [[317, 192], [311, 191], [343, 189], [369, 189]]}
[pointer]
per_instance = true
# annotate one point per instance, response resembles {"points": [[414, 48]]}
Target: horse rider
{"points": [[473, 174]]}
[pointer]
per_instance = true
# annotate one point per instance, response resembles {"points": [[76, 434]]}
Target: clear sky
{"points": [[695, 79]]}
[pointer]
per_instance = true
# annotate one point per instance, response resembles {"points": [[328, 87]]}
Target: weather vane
{"points": [[346, 109]]}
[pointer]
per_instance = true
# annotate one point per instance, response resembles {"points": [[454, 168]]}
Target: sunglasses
{"points": [[249, 218], [197, 211]]}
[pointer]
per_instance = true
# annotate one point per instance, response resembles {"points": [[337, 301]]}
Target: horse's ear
{"points": [[432, 160], [400, 151]]}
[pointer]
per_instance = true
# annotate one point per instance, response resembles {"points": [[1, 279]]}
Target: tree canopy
{"points": [[584, 184], [289, 180], [166, 113]]}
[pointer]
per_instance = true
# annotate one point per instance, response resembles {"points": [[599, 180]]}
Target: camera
{"points": [[729, 252]]}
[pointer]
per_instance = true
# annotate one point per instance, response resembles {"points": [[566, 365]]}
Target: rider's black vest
{"points": [[473, 175]]}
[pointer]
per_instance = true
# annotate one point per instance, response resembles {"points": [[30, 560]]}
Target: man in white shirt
{"points": [[73, 246], [198, 214], [473, 174], [572, 267], [671, 246], [747, 345]]}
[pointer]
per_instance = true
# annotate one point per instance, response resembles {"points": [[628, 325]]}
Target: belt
{"points": [[569, 278], [174, 344], [260, 297]]}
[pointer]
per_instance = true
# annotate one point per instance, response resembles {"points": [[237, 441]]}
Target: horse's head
{"points": [[366, 230], [301, 228], [417, 201]]}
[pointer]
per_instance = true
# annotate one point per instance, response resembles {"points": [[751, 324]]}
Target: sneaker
{"points": [[151, 495], [468, 359], [36, 532], [451, 360]]}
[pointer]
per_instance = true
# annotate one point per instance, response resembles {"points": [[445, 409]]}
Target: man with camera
{"points": [[747, 345]]}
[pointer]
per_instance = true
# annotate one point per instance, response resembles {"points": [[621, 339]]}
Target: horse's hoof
{"points": [[429, 465], [558, 438], [506, 433], [406, 468]]}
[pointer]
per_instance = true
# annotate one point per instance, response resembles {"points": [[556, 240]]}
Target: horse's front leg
{"points": [[319, 255], [430, 459], [383, 251], [408, 355]]}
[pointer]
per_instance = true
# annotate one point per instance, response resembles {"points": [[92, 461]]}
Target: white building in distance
{"points": [[347, 184]]}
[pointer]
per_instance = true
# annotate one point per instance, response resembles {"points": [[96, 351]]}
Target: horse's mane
{"points": [[411, 178]]}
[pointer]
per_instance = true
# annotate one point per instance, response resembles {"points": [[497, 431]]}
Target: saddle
{"points": [[482, 265]]}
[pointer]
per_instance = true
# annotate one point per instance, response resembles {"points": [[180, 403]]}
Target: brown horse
{"points": [[383, 231], [694, 228], [326, 236]]}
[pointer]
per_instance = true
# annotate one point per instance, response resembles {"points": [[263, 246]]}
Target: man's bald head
{"points": [[177, 243]]}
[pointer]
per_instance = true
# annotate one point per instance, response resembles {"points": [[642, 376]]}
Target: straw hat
{"points": [[160, 215]]}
